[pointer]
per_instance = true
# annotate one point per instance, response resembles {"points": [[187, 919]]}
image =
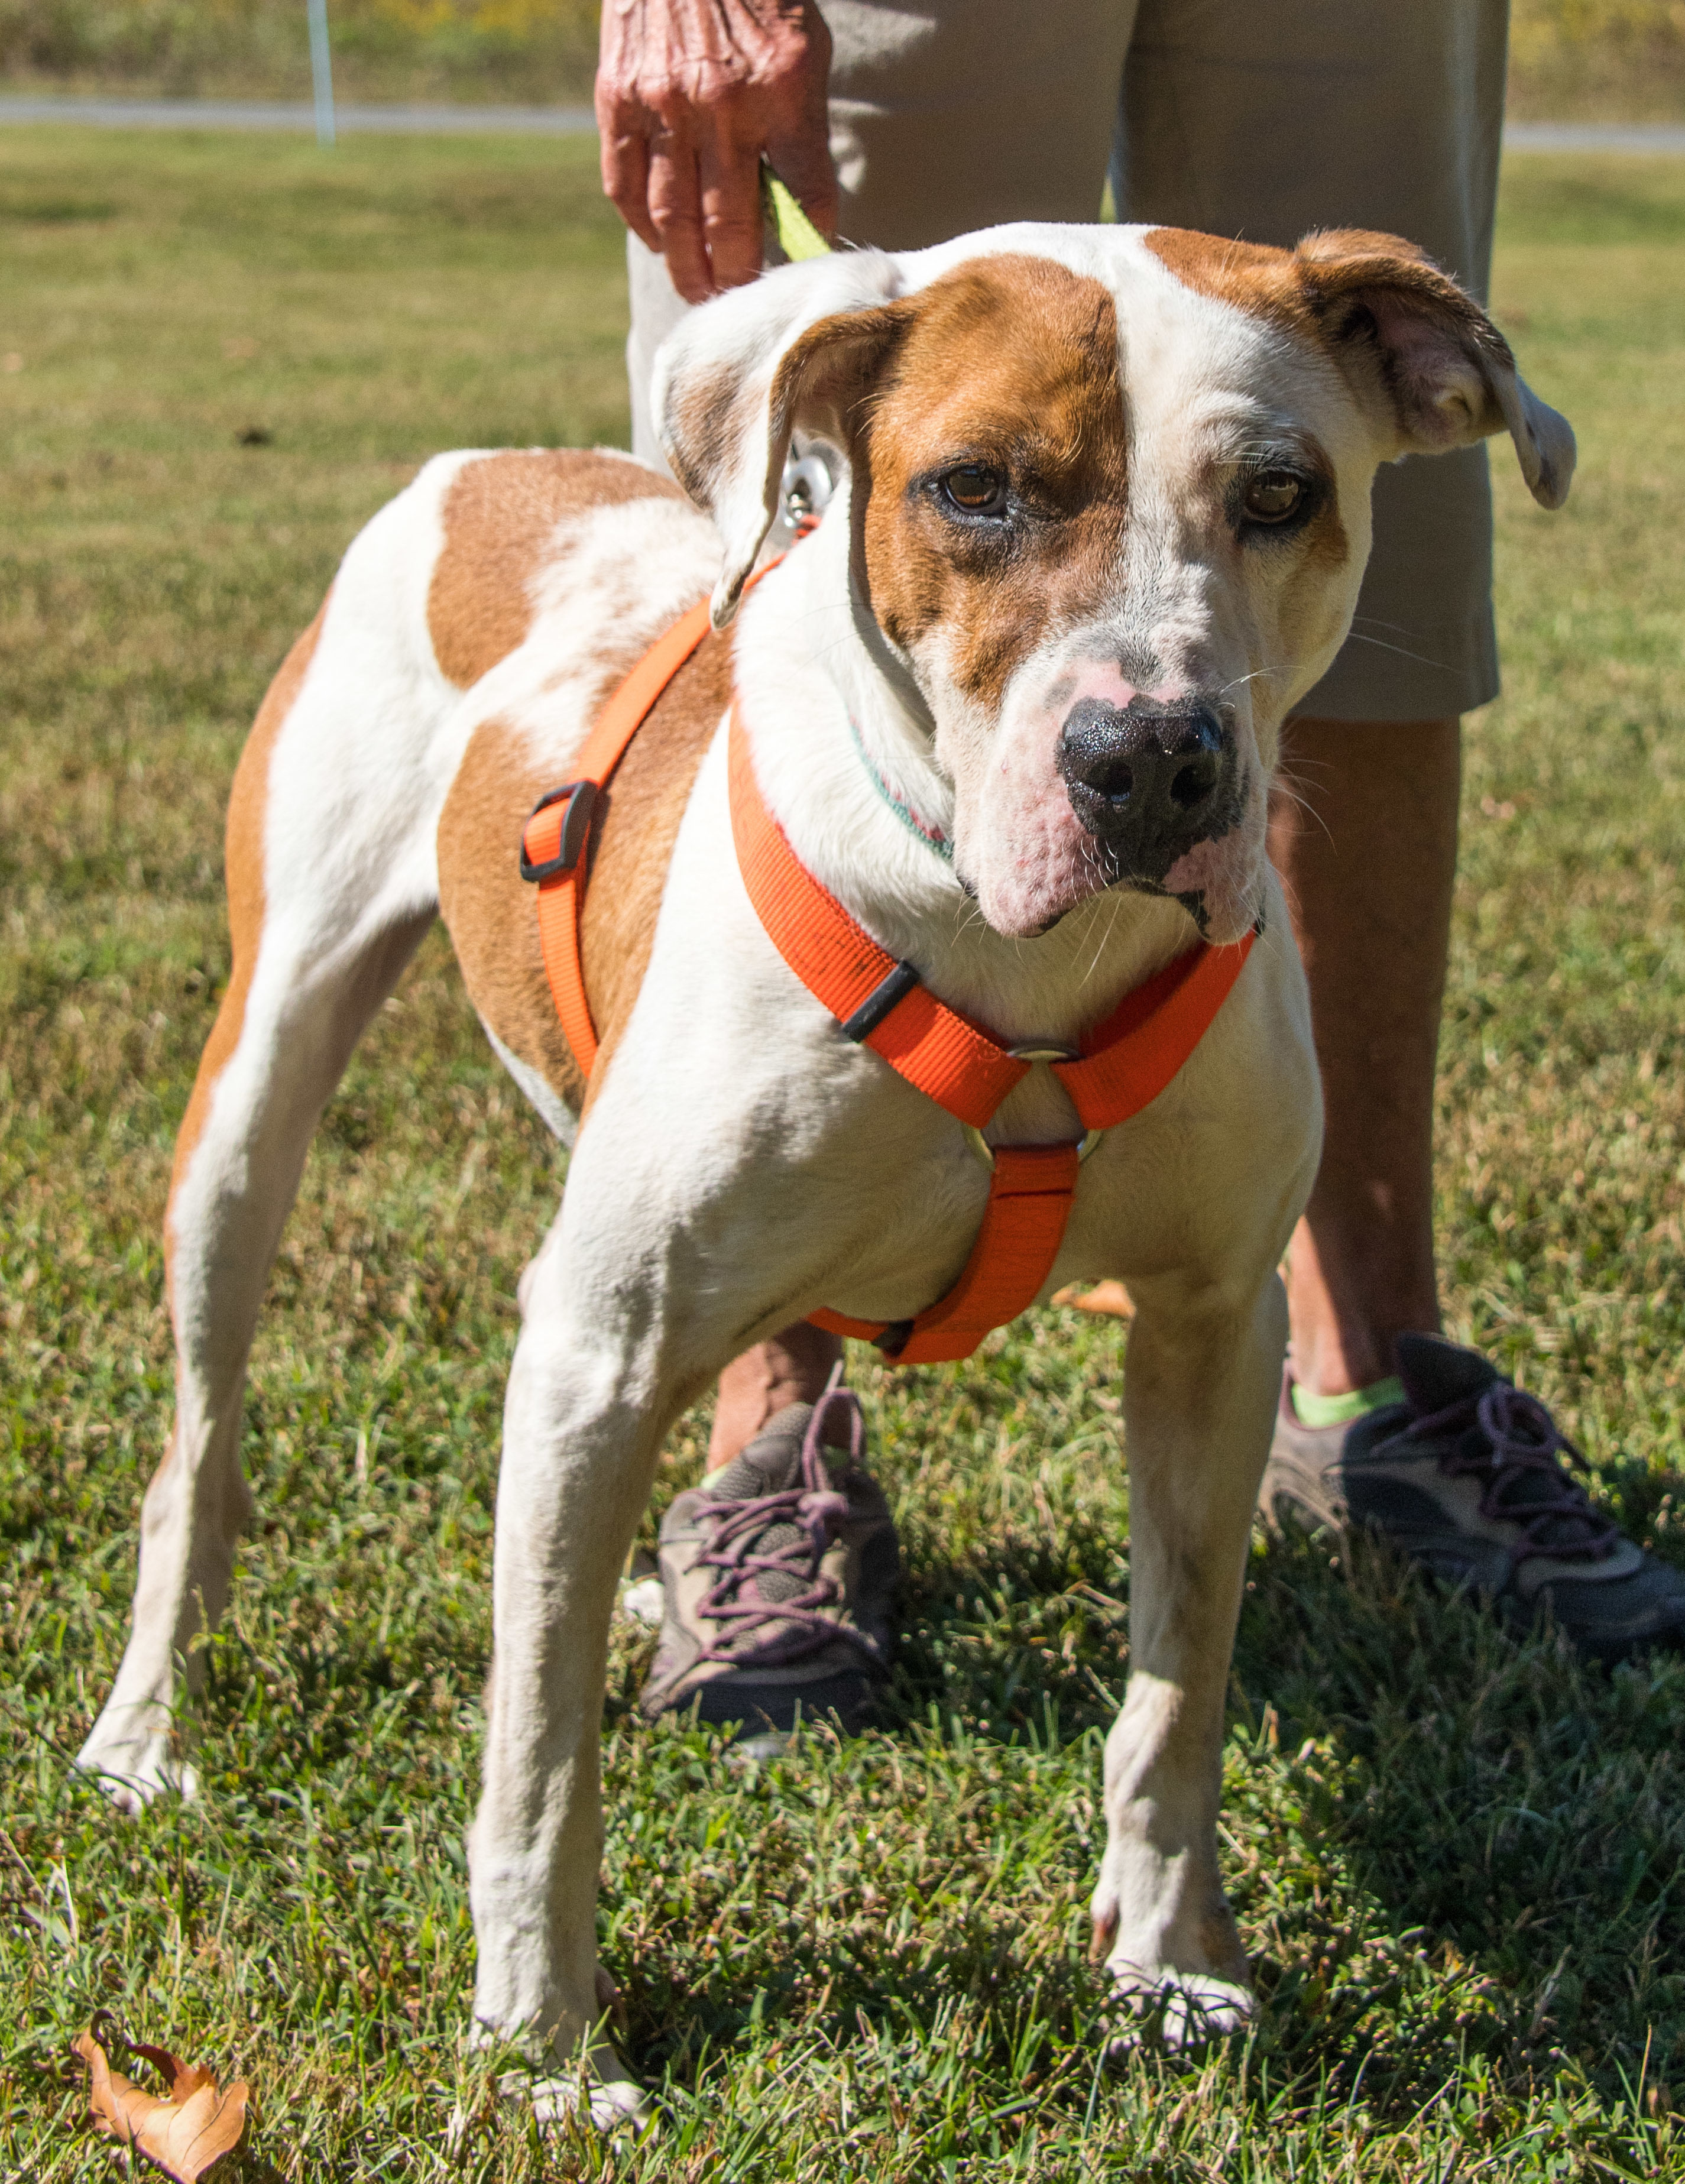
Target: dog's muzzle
{"points": [[1151, 779]]}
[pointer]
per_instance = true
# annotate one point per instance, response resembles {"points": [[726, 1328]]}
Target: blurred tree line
{"points": [[525, 51], [1589, 59], [1598, 60]]}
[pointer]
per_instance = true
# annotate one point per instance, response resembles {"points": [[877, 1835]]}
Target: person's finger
{"points": [[676, 210], [625, 163], [730, 178], [801, 160]]}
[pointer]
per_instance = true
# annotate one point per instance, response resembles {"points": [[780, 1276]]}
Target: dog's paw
{"points": [[1171, 2010], [134, 1770], [595, 2087], [609, 2104], [601, 2093]]}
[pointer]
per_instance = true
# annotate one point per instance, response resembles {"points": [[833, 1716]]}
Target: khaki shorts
{"points": [[1253, 118]]}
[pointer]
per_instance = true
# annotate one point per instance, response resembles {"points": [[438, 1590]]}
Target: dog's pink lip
{"points": [[1204, 866], [1216, 877]]}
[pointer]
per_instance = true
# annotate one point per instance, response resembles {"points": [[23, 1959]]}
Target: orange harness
{"points": [[1121, 1065]]}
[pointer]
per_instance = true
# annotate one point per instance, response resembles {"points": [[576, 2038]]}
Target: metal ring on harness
{"points": [[1034, 1049], [986, 1152]]}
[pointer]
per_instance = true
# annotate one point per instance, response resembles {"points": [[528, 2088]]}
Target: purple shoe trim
{"points": [[815, 1508], [1522, 1441]]}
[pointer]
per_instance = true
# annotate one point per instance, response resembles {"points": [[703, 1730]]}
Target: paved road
{"points": [[575, 120], [1594, 137]]}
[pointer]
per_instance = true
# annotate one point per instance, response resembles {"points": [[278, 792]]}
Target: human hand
{"points": [[689, 94]]}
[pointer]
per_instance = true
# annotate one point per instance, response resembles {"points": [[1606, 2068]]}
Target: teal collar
{"points": [[931, 836]]}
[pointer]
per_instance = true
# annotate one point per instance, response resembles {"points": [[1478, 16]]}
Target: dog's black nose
{"points": [[1148, 779]]}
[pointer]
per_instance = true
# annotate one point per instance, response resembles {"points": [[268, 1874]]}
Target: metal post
{"points": [[321, 71]]}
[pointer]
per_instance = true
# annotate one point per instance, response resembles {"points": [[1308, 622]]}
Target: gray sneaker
{"points": [[778, 1572], [1466, 1477]]}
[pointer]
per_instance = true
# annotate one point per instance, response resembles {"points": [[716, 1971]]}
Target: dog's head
{"points": [[1109, 490]]}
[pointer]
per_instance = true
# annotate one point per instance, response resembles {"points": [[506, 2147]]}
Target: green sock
{"points": [[1315, 1411]]}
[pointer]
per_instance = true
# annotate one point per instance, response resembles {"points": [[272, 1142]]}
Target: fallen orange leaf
{"points": [[186, 2134], [1104, 1296]]}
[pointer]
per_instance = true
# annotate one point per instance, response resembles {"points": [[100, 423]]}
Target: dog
{"points": [[1105, 502]]}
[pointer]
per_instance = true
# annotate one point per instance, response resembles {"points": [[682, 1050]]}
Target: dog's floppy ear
{"points": [[1444, 368], [738, 373]]}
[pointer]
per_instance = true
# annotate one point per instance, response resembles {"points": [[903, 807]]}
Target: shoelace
{"points": [[815, 1508], [1522, 1439]]}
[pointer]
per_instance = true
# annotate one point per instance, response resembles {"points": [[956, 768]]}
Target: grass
{"points": [[1456, 1857]]}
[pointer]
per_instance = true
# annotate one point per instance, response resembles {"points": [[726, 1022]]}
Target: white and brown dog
{"points": [[1107, 501]]}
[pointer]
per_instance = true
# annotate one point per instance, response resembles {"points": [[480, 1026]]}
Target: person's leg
{"points": [[1316, 114], [793, 1368], [1268, 118], [1364, 836]]}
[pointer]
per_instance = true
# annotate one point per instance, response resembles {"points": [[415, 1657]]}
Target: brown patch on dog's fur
{"points": [[244, 860], [500, 515], [1253, 276], [1281, 287], [490, 909], [1012, 362], [646, 800], [1326, 290]]}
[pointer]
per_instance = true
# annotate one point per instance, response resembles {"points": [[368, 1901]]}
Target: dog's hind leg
{"points": [[329, 893]]}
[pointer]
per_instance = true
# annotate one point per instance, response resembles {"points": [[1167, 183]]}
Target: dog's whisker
{"points": [[1421, 659], [1239, 682]]}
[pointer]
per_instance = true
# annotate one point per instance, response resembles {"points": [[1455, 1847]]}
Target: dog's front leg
{"points": [[583, 1418], [1201, 1382]]}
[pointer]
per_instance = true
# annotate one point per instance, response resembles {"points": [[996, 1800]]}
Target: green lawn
{"points": [[1458, 1861]]}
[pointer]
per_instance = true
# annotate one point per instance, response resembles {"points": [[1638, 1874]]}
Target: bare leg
{"points": [[792, 1368], [1368, 870]]}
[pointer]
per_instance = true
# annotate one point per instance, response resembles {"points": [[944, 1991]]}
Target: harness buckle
{"points": [[576, 824]]}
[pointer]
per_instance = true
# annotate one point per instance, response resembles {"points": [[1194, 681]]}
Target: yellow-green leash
{"points": [[798, 237]]}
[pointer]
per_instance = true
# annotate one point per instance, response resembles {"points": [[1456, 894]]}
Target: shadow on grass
{"points": [[1443, 1842], [1444, 1838]]}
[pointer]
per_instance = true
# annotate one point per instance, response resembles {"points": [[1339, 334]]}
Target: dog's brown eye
{"points": [[1272, 496], [976, 489]]}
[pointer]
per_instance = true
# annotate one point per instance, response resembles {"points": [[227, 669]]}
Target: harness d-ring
{"points": [[986, 1152], [1039, 1050]]}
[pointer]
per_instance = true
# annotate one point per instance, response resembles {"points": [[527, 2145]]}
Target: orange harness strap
{"points": [[878, 1002], [1030, 1188], [1125, 1062], [557, 838]]}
